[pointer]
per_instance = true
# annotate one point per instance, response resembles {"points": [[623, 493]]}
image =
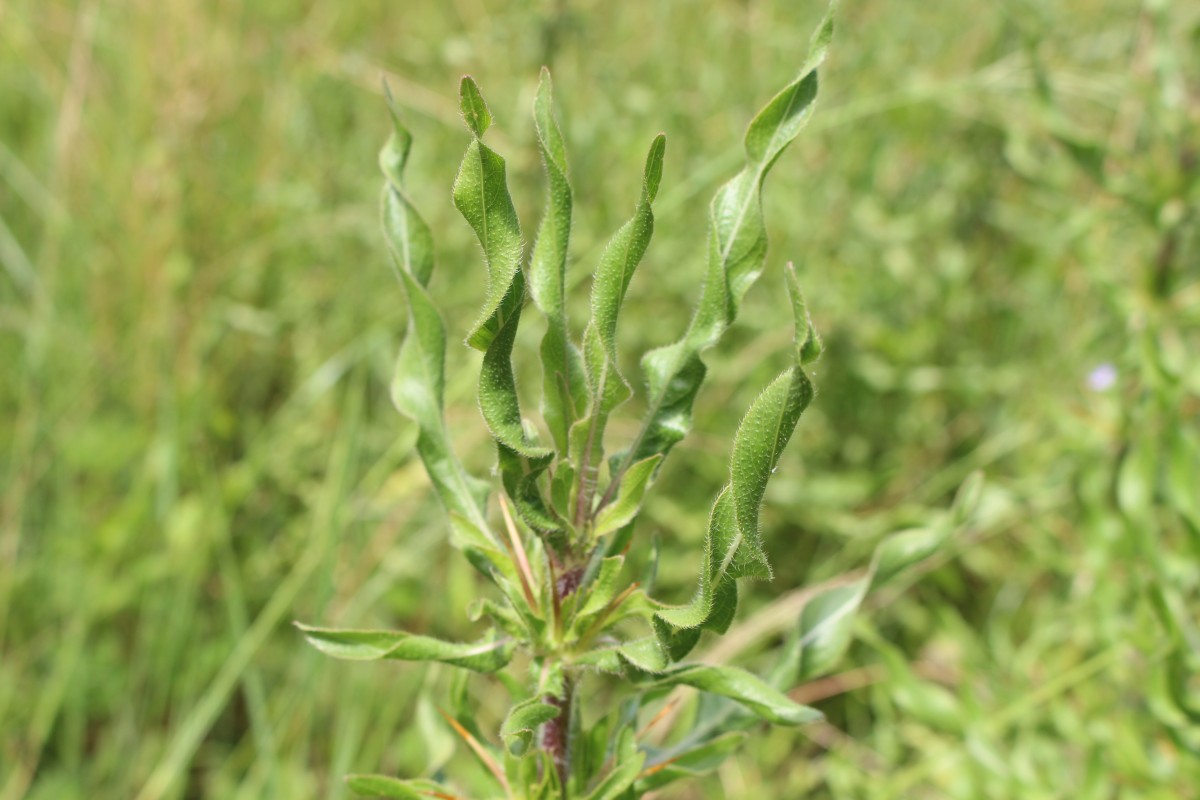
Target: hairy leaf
{"points": [[733, 547], [564, 390], [481, 196], [741, 686], [606, 387], [419, 382], [522, 723], [736, 252], [629, 497]]}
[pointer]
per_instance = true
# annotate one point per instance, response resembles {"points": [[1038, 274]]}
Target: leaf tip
{"points": [[808, 346], [652, 175], [474, 110]]}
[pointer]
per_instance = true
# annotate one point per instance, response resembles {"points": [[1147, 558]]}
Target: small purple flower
{"points": [[1102, 378]]}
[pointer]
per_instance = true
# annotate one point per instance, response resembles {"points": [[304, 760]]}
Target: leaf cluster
{"points": [[569, 503]]}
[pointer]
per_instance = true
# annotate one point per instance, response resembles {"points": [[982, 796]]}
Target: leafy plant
{"points": [[564, 609]]}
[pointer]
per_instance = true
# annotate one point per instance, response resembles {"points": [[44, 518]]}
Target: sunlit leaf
{"points": [[737, 247], [733, 546], [419, 383], [607, 389], [564, 391]]}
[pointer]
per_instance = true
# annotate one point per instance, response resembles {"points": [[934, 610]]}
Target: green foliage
{"points": [[993, 213], [573, 616]]}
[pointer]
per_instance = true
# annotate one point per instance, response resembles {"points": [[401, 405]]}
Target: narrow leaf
{"points": [[737, 684], [826, 624], [481, 196], [690, 763], [736, 253], [487, 655], [607, 388], [563, 384], [733, 545], [629, 497], [419, 381], [628, 764]]}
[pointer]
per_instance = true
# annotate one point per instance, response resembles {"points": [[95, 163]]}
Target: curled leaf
{"points": [[736, 254], [733, 545]]}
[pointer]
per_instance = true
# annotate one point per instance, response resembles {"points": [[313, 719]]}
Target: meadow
{"points": [[995, 213]]}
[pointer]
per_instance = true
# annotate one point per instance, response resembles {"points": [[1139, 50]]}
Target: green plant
{"points": [[567, 509]]}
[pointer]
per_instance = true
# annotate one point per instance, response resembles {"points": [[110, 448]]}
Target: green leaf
{"points": [[737, 684], [419, 381], [498, 390], [737, 245], [522, 723], [733, 544], [474, 109], [503, 617], [624, 509], [383, 786], [564, 391], [606, 387], [603, 589], [481, 196], [644, 655], [487, 655], [628, 760]]}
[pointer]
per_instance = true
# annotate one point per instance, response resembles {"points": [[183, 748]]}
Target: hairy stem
{"points": [[556, 734]]}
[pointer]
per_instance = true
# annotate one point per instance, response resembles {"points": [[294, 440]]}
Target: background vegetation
{"points": [[995, 218]]}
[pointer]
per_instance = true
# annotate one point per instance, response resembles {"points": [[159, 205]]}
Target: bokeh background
{"points": [[995, 215]]}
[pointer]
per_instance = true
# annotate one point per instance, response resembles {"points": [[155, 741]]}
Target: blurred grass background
{"points": [[994, 212]]}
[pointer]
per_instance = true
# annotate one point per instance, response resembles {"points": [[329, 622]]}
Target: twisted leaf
{"points": [[733, 545], [563, 384], [418, 385], [383, 786], [606, 387], [481, 196], [736, 253]]}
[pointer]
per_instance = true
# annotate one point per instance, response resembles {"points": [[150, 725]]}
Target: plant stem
{"points": [[556, 734]]}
